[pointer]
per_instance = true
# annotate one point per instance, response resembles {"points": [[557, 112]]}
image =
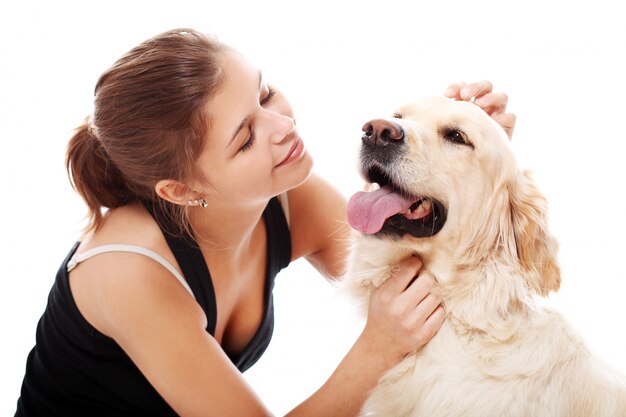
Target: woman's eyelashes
{"points": [[249, 142], [268, 97]]}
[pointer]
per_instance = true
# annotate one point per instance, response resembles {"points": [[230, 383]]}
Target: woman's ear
{"points": [[174, 191], [536, 247]]}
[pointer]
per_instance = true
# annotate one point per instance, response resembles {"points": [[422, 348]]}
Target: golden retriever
{"points": [[449, 189]]}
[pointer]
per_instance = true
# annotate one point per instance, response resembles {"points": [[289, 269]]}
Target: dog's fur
{"points": [[499, 352]]}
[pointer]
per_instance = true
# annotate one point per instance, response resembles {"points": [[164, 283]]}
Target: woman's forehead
{"points": [[235, 99]]}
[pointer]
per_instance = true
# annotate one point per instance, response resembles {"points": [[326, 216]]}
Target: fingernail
{"points": [[479, 101]]}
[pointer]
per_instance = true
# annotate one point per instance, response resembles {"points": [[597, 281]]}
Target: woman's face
{"points": [[253, 151]]}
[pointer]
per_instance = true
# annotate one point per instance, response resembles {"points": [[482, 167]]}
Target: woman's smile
{"points": [[296, 152]]}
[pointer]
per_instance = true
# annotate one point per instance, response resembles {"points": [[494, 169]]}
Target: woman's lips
{"points": [[296, 151]]}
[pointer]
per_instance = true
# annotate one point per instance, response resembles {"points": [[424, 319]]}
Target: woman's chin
{"points": [[300, 172]]}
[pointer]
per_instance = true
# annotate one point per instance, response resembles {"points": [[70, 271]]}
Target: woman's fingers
{"points": [[427, 307], [402, 311], [476, 89], [433, 323], [418, 289], [454, 90], [402, 276], [507, 121], [481, 93], [464, 91], [493, 103]]}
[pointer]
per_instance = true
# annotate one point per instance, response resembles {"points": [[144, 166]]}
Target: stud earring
{"points": [[198, 202]]}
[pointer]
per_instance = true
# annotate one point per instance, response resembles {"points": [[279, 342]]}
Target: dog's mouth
{"points": [[389, 210]]}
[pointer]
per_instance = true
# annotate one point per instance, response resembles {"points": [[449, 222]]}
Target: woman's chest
{"points": [[240, 289]]}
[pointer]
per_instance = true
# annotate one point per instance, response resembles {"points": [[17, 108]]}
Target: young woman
{"points": [[167, 298]]}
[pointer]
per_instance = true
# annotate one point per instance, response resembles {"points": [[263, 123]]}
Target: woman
{"points": [[188, 148]]}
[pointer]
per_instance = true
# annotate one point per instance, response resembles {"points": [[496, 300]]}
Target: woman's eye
{"points": [[248, 143], [268, 97], [270, 93]]}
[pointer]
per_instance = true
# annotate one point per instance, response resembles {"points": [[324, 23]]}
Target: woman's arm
{"points": [[162, 329], [319, 226], [402, 317]]}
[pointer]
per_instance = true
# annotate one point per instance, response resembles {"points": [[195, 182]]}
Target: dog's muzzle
{"points": [[390, 211]]}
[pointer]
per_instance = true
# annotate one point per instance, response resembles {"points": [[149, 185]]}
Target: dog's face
{"points": [[441, 157], [448, 178]]}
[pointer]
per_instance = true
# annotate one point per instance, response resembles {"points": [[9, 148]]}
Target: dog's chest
{"points": [[448, 379]]}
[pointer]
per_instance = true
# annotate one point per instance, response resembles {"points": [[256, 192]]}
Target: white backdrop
{"points": [[340, 64]]}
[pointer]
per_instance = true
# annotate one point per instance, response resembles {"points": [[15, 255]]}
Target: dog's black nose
{"points": [[379, 132]]}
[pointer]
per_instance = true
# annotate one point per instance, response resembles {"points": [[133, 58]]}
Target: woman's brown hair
{"points": [[148, 124]]}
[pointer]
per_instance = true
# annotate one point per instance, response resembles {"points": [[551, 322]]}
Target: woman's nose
{"points": [[283, 125]]}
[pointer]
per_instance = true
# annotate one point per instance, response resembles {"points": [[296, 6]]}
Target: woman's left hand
{"points": [[481, 93]]}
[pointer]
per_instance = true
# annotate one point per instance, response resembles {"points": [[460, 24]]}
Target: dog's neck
{"points": [[493, 284]]}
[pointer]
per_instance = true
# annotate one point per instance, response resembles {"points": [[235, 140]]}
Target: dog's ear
{"points": [[536, 247]]}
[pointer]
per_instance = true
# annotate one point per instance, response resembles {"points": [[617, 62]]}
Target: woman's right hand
{"points": [[403, 315]]}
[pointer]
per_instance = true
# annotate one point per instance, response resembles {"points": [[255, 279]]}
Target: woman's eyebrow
{"points": [[245, 120]]}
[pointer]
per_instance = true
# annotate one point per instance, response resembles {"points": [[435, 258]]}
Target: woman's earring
{"points": [[199, 202]]}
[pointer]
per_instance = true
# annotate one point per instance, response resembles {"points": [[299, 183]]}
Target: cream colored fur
{"points": [[499, 352]]}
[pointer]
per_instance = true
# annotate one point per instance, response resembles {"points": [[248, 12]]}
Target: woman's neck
{"points": [[225, 228]]}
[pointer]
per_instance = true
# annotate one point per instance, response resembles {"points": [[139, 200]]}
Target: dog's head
{"points": [[442, 175]]}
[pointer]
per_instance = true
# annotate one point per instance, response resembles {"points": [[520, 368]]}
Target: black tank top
{"points": [[74, 370]]}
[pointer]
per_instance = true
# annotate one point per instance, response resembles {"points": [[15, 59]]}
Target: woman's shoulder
{"points": [[130, 225], [104, 282]]}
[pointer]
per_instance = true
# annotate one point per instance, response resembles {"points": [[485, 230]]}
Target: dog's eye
{"points": [[397, 115], [456, 136]]}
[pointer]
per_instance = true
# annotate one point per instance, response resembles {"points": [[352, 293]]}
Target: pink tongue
{"points": [[367, 211]]}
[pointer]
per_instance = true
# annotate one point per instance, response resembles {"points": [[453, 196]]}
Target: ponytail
{"points": [[94, 176], [150, 113]]}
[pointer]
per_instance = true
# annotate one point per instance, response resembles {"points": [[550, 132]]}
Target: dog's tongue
{"points": [[367, 211]]}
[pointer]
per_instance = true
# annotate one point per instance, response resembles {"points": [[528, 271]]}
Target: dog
{"points": [[444, 184]]}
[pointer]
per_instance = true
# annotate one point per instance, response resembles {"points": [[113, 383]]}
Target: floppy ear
{"points": [[536, 247]]}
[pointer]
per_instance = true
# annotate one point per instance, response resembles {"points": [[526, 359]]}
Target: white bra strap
{"points": [[80, 257]]}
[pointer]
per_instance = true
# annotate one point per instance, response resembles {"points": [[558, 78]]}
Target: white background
{"points": [[340, 64]]}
